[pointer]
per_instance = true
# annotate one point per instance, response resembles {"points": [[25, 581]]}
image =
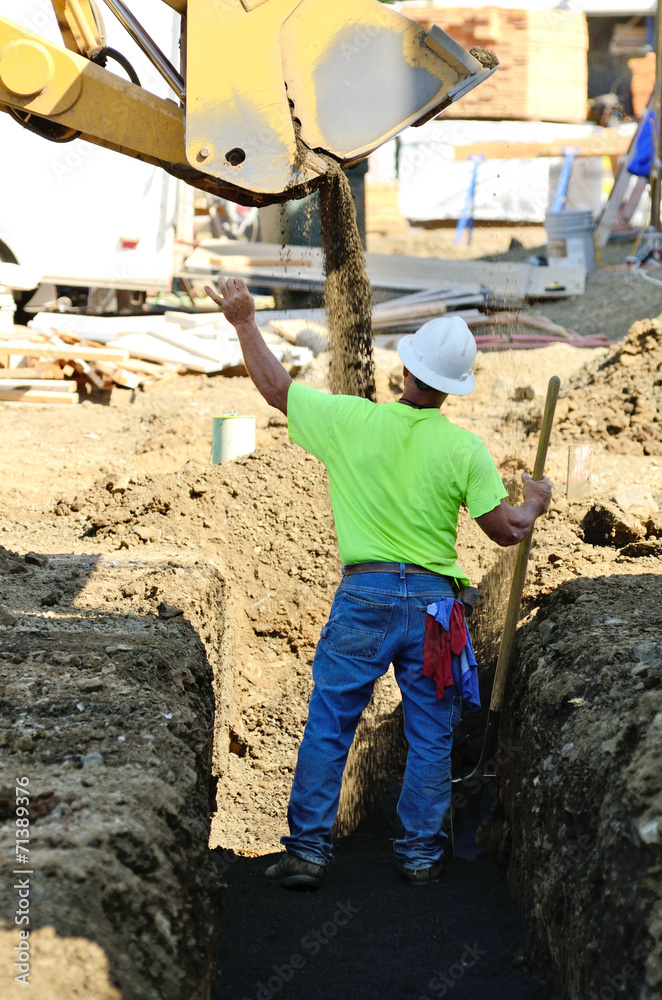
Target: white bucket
{"points": [[232, 437], [570, 238]]}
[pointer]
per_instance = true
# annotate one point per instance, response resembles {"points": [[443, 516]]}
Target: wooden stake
{"points": [[579, 471]]}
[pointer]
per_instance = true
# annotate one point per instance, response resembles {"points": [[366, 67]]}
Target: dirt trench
{"points": [[247, 552]]}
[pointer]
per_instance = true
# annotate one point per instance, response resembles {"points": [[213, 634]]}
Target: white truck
{"points": [[78, 217]]}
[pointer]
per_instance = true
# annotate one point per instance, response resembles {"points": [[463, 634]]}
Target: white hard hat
{"points": [[441, 354]]}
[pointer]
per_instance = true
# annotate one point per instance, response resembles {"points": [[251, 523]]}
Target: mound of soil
{"points": [[618, 401], [265, 522]]}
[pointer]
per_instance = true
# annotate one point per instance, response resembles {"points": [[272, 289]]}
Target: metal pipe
{"points": [[149, 47], [91, 42]]}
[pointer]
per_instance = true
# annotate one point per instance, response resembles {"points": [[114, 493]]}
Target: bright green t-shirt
{"points": [[397, 476]]}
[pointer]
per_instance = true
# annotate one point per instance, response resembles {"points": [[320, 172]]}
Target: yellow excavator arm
{"points": [[268, 93]]}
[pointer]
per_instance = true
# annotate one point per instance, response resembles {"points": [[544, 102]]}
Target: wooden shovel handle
{"points": [[517, 586]]}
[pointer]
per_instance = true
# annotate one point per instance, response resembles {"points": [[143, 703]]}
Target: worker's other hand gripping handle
{"points": [[516, 589]]}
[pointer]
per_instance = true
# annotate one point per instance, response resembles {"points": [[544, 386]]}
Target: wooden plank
{"points": [[607, 142], [151, 368], [236, 260], [409, 311], [33, 396], [215, 350], [48, 371], [30, 349], [42, 385], [120, 376], [149, 347]]}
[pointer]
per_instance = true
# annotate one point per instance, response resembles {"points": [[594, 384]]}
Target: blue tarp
{"points": [[642, 161]]}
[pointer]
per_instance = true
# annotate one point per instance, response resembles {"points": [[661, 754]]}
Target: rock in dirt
{"points": [[637, 550], [7, 617], [35, 559], [166, 610], [485, 57], [607, 524], [639, 502]]}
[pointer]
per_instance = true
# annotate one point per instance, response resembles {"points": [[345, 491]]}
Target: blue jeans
{"points": [[376, 619]]}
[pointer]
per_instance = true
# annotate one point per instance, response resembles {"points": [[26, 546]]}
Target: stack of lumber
{"points": [[542, 54], [382, 208], [63, 354], [41, 369]]}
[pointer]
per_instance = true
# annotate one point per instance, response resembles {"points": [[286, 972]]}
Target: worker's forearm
{"points": [[265, 370], [508, 525], [521, 520]]}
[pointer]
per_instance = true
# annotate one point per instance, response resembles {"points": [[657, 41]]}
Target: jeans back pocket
{"points": [[357, 627]]}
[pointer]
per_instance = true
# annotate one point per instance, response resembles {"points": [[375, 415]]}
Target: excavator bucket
{"points": [[272, 94], [277, 88]]}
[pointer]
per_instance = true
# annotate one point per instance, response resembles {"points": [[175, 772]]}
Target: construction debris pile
{"points": [[67, 356]]}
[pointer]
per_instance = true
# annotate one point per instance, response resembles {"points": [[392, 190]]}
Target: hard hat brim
{"points": [[454, 387]]}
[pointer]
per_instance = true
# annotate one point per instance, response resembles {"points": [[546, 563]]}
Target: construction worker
{"points": [[398, 473]]}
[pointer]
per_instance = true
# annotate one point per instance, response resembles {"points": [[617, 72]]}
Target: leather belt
{"points": [[390, 567]]}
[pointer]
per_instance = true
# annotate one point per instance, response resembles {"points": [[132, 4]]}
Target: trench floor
{"points": [[367, 935]]}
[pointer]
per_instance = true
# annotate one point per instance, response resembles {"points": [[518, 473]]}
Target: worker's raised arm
{"points": [[508, 525], [265, 370]]}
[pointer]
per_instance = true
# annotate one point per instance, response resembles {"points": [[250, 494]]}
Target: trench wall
{"points": [[578, 820], [107, 720]]}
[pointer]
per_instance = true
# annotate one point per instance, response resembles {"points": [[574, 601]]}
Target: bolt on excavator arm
{"points": [[270, 92]]}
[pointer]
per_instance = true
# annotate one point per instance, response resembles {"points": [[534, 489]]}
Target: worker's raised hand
{"points": [[538, 491], [236, 302]]}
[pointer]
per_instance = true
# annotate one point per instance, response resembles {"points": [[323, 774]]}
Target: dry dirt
{"points": [[137, 524]]}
